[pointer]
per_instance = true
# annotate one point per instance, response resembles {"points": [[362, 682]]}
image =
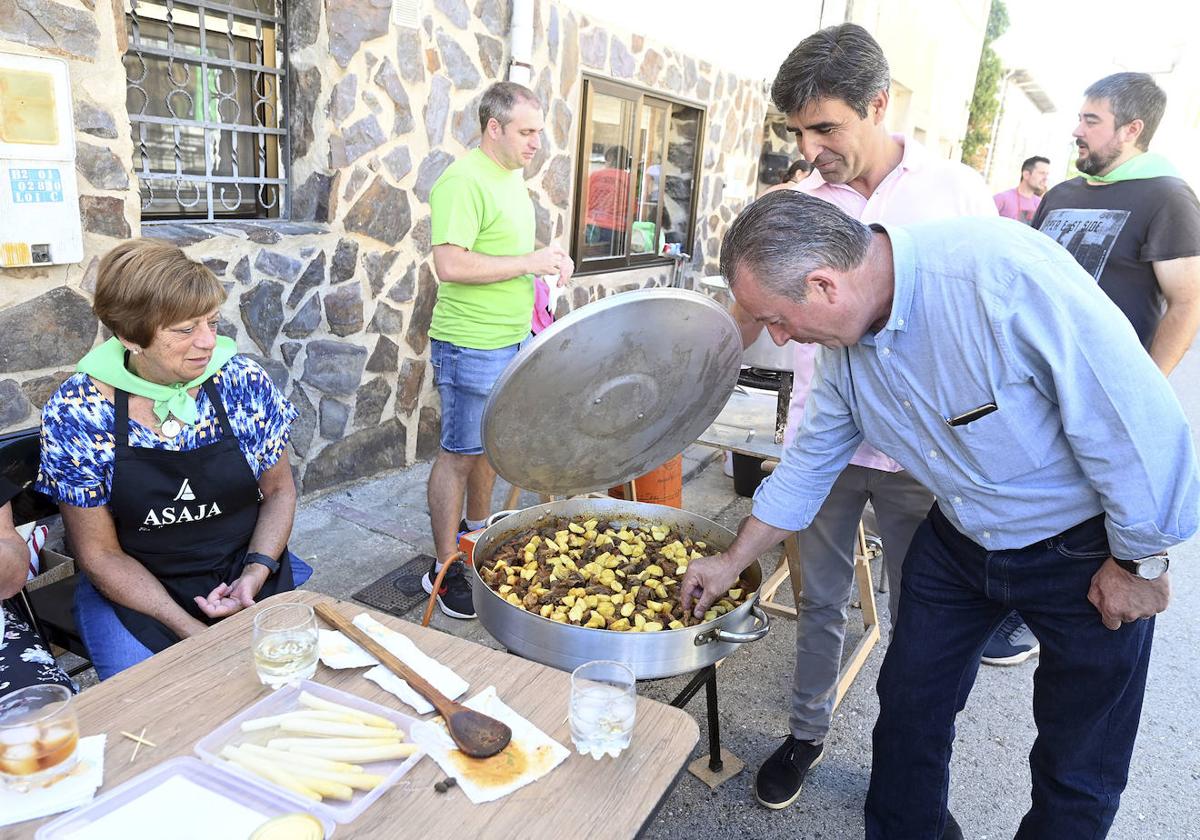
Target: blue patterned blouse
{"points": [[78, 443]]}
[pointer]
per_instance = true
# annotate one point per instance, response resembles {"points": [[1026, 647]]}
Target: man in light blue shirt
{"points": [[985, 361]]}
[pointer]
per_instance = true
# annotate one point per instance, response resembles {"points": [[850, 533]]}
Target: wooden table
{"points": [[746, 425], [191, 688]]}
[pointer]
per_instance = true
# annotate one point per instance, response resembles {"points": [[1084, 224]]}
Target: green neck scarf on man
{"points": [[1145, 165], [106, 363]]}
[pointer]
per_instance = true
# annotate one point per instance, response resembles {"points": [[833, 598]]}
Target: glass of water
{"points": [[285, 644], [603, 707]]}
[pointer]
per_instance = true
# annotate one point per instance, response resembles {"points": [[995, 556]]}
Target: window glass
{"points": [[646, 238], [679, 173], [606, 192]]}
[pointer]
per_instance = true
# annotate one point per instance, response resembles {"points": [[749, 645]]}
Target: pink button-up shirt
{"points": [[921, 188]]}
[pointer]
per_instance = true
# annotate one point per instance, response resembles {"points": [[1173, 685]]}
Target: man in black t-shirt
{"points": [[1134, 225], [1130, 220]]}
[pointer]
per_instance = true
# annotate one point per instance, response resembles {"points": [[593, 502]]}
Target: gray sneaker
{"points": [[1012, 643]]}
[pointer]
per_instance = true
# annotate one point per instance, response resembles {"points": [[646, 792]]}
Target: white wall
{"points": [[932, 47], [749, 38], [1024, 131]]}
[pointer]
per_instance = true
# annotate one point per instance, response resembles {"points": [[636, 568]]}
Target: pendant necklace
{"points": [[171, 427]]}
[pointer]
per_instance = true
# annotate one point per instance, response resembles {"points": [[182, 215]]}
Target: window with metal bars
{"points": [[205, 83]]}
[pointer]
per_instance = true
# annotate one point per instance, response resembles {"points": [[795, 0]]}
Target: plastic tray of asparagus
{"points": [[327, 751]]}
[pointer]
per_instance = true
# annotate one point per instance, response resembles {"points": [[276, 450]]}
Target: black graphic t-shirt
{"points": [[1116, 231]]}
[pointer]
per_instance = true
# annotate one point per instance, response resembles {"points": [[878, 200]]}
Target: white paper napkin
{"points": [[337, 651], [530, 755], [75, 790]]}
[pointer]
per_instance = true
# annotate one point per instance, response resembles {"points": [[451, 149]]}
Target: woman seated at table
{"points": [[167, 454], [24, 661]]}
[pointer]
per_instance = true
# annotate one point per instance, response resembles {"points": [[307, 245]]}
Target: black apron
{"points": [[187, 517]]}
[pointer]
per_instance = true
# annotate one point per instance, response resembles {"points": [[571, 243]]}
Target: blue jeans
{"points": [[1087, 690], [111, 646], [464, 377]]}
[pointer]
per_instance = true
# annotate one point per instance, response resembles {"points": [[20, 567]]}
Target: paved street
{"points": [[357, 534]]}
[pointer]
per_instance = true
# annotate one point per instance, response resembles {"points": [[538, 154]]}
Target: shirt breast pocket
{"points": [[995, 446]]}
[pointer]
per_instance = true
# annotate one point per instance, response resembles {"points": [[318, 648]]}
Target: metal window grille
{"points": [[205, 91]]}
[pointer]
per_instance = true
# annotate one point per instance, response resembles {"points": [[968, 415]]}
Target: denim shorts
{"points": [[464, 378]]}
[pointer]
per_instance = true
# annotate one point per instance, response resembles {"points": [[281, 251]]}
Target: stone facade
{"points": [[336, 301]]}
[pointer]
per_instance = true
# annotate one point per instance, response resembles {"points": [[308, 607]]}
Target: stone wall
{"points": [[336, 301]]}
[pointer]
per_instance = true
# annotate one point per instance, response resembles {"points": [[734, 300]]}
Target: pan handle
{"points": [[497, 516], [718, 634]]}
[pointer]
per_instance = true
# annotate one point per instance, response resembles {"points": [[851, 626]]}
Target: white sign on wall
{"points": [[39, 196]]}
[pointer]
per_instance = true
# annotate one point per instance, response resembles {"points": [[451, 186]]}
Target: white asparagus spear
{"points": [[288, 743], [304, 760], [313, 702], [358, 781], [300, 776], [272, 721], [306, 726], [356, 755], [268, 771]]}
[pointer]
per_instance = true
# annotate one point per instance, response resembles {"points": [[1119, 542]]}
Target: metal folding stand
{"points": [[716, 767]]}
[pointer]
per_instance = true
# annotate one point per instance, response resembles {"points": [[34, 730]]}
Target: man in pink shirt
{"points": [[1021, 202], [833, 88]]}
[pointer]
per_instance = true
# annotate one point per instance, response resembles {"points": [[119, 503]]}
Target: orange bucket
{"points": [[660, 486]]}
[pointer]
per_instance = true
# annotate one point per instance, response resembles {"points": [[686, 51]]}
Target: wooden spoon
{"points": [[476, 734]]}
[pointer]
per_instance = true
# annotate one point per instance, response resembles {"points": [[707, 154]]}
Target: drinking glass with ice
{"points": [[38, 736], [603, 707]]}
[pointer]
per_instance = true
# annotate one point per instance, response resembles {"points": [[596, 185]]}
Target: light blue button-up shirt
{"points": [[988, 310]]}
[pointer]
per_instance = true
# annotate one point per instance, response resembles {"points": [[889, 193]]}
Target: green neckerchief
{"points": [[107, 364], [1145, 165]]}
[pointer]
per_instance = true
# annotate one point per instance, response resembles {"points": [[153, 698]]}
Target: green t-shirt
{"points": [[478, 205]]}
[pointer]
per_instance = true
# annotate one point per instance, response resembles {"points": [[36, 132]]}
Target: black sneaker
{"points": [[1011, 644], [952, 831], [454, 597], [781, 777]]}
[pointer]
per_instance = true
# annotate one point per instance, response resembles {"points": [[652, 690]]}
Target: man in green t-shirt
{"points": [[486, 258]]}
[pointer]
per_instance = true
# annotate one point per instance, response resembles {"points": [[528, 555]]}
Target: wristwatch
{"points": [[263, 560], [1146, 568]]}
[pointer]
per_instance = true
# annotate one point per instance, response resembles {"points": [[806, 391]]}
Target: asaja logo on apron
{"points": [[172, 515]]}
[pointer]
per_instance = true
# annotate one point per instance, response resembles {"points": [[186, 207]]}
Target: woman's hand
{"points": [[229, 598]]}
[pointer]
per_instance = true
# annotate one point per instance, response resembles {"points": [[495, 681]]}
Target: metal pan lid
{"points": [[611, 391]]}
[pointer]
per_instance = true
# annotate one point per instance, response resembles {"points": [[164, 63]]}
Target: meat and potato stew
{"points": [[614, 575]]}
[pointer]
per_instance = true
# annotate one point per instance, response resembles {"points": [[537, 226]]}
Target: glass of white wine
{"points": [[285, 644]]}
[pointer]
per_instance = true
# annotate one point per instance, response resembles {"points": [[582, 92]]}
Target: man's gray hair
{"points": [[839, 62], [499, 100], [1132, 96], [785, 236]]}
